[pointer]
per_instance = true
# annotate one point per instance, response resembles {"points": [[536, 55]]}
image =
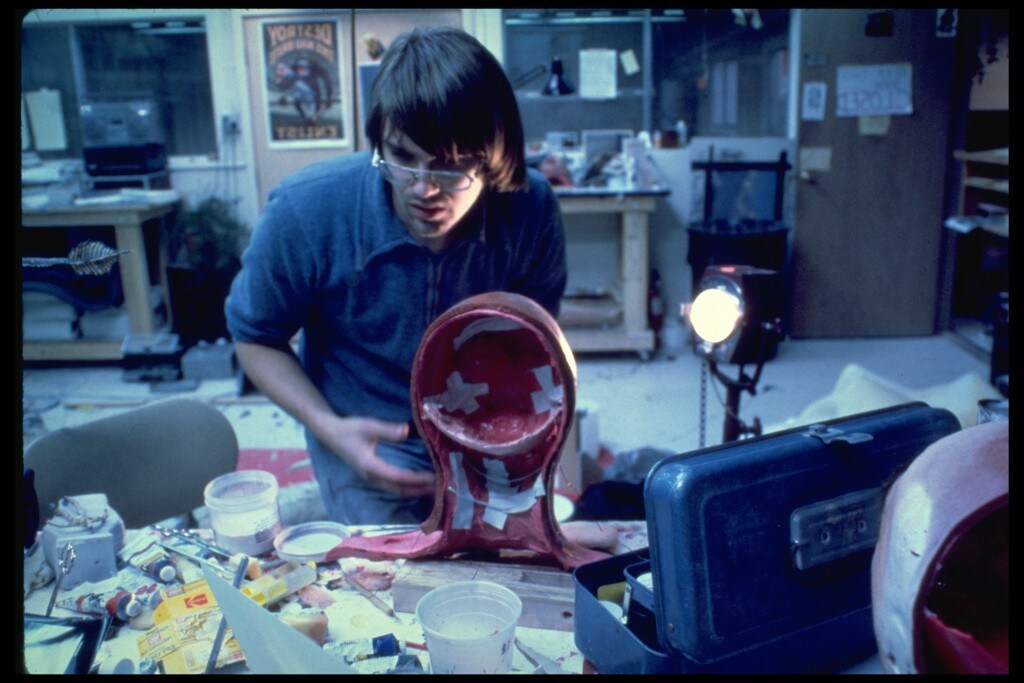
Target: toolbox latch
{"points": [[829, 434], [835, 528]]}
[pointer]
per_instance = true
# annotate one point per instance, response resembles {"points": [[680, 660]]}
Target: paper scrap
{"points": [[815, 159], [873, 125]]}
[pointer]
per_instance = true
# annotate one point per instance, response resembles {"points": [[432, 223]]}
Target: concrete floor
{"points": [[635, 404]]}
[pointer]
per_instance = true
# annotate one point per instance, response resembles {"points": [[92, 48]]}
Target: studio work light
{"points": [[737, 314], [737, 320]]}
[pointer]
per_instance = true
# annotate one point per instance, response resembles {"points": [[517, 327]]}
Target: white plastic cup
{"points": [[244, 512], [469, 627]]}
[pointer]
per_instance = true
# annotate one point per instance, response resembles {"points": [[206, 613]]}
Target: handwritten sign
{"points": [[874, 90]]}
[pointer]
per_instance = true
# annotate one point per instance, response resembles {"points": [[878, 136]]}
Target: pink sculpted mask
{"points": [[493, 394]]}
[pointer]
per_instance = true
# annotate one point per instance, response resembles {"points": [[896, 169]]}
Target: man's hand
{"points": [[354, 440], [277, 373]]}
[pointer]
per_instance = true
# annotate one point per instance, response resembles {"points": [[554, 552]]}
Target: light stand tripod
{"points": [[733, 427]]}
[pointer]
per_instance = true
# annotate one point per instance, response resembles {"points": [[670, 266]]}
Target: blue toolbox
{"points": [[759, 557]]}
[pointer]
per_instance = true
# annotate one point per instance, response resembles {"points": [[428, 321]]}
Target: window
{"points": [[724, 93], [165, 62]]}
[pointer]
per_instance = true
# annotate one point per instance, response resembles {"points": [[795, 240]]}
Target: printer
{"points": [[123, 138]]}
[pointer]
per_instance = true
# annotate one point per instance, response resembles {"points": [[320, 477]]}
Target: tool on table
{"points": [[544, 664], [189, 536], [366, 593], [64, 563], [192, 557], [281, 583], [222, 627], [194, 538]]}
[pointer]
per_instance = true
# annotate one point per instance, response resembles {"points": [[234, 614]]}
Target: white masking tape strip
{"points": [[463, 517], [504, 500], [459, 395], [549, 395], [485, 325]]}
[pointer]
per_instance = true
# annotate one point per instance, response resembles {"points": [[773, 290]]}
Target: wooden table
{"points": [[634, 207], [127, 219]]}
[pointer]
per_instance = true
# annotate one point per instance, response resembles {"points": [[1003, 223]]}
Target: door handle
{"points": [[808, 177]]}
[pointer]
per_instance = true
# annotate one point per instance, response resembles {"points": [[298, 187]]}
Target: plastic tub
{"points": [[243, 511], [469, 627]]}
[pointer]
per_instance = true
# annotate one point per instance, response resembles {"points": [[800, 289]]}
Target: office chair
{"points": [[152, 462]]}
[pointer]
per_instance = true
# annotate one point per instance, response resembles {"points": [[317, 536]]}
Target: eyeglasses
{"points": [[449, 181]]}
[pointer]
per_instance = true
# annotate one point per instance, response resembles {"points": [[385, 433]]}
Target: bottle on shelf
{"points": [[681, 132], [557, 85]]}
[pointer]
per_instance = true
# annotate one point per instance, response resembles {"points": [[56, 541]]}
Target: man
{"points": [[364, 251]]}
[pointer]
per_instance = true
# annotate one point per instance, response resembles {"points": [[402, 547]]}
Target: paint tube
{"points": [[361, 649], [271, 587], [145, 588], [143, 553], [117, 603]]}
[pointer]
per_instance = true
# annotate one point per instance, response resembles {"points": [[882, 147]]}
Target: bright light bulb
{"points": [[715, 314]]}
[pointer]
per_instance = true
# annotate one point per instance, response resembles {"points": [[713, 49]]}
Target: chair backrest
{"points": [[152, 462]]}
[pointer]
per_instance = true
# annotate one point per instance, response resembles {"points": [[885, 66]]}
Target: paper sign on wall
{"points": [[874, 90], [47, 120], [630, 64], [598, 73], [813, 104]]}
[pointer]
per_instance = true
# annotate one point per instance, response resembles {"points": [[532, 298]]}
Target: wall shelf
{"points": [[978, 243]]}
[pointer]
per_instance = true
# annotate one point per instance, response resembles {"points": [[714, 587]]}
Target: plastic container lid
{"points": [[241, 491], [165, 571], [131, 606], [309, 542]]}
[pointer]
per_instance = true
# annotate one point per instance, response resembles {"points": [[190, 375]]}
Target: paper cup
{"points": [[469, 627]]}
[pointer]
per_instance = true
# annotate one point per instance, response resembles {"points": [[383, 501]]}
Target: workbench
{"points": [[548, 595], [128, 218], [634, 208]]}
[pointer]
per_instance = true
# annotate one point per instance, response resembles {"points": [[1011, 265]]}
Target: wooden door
{"points": [[869, 204]]}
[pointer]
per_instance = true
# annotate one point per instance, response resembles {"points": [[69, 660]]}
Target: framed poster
{"points": [[302, 82]]}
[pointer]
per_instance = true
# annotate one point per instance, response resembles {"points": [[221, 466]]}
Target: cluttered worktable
{"points": [[361, 613]]}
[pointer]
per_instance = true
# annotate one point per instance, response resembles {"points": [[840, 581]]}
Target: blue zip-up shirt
{"points": [[329, 256]]}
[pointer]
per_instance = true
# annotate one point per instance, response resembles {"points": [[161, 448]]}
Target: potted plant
{"points": [[205, 246]]}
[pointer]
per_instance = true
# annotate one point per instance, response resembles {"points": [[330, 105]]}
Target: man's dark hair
{"points": [[445, 91]]}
